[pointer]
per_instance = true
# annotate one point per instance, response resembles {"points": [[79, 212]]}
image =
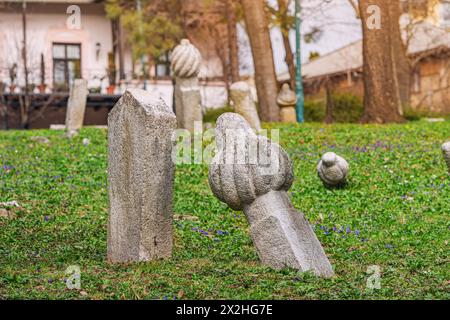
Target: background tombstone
{"points": [[76, 106], [186, 62], [244, 105], [287, 100], [140, 178], [446, 152], [282, 235]]}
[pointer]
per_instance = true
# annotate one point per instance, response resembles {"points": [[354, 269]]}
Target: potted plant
{"points": [[12, 77], [42, 85], [112, 72]]}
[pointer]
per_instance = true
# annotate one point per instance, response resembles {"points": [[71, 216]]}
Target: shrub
{"points": [[415, 115], [314, 110], [348, 108], [211, 114]]}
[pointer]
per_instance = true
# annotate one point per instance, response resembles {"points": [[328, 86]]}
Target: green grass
{"points": [[397, 199]]}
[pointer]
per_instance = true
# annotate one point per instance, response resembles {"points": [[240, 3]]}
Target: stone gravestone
{"points": [[186, 62], [446, 152], [287, 100], [140, 178], [257, 183], [244, 105], [76, 106], [333, 170]]}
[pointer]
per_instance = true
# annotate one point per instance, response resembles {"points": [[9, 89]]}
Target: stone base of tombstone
{"points": [[71, 133], [283, 237], [140, 178], [288, 115], [188, 106]]}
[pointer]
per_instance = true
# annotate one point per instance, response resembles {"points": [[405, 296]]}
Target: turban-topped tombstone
{"points": [[140, 178], [186, 62], [333, 170], [243, 103], [446, 152], [253, 174], [287, 100]]}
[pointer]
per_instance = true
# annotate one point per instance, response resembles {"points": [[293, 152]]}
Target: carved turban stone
{"points": [[333, 170], [246, 165], [286, 97], [186, 60]]}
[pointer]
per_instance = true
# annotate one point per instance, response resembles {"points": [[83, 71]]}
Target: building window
{"points": [[66, 65], [162, 67], [445, 14]]}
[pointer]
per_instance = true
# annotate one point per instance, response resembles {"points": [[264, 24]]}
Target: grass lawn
{"points": [[393, 214]]}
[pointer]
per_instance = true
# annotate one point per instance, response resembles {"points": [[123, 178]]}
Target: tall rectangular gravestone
{"points": [[76, 106], [140, 178]]}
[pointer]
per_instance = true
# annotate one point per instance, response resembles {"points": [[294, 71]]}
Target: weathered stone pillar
{"points": [[258, 185], [446, 152], [244, 105], [186, 62], [140, 178], [333, 170], [76, 106], [287, 100]]}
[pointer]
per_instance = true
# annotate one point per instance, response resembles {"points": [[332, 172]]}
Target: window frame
{"points": [[66, 61], [166, 63], [444, 14]]}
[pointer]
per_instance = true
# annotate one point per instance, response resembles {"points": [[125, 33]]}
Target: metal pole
{"points": [[298, 78]]}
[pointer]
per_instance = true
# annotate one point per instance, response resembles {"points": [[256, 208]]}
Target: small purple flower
{"points": [[50, 281], [357, 233], [46, 218], [348, 230], [220, 232], [389, 246], [194, 229]]}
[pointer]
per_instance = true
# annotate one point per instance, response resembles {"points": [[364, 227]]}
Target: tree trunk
{"points": [[330, 102], [289, 58], [265, 78], [232, 40], [401, 62], [382, 102], [25, 102]]}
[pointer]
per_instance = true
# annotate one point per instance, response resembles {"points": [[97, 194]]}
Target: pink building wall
{"points": [[44, 29]]}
